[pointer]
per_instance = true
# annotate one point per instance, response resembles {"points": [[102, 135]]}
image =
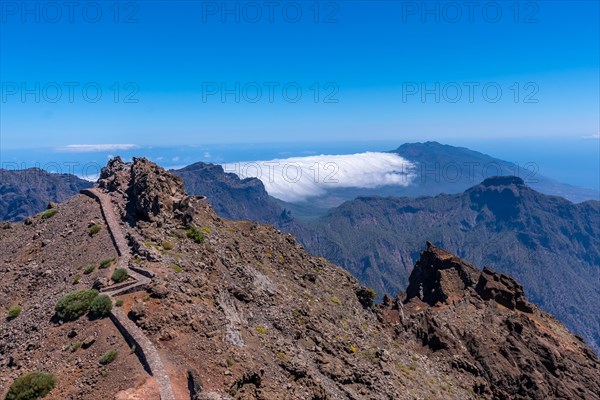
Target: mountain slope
{"points": [[546, 242], [450, 169], [26, 192], [230, 196], [239, 310]]}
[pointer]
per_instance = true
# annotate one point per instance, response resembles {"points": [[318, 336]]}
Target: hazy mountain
{"points": [[27, 192], [230, 196], [207, 308], [546, 242]]}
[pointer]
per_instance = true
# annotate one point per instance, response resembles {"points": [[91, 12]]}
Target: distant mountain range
{"points": [[439, 168], [24, 193], [548, 243]]}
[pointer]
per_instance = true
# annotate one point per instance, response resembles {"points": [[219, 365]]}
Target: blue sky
{"points": [[371, 61]]}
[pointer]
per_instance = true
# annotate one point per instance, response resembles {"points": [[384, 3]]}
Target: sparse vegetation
{"points": [[176, 267], [335, 300], [119, 275], [108, 357], [100, 306], [206, 229], [94, 229], [168, 246], [106, 263], [31, 386], [261, 330], [75, 304], [76, 280], [366, 296], [14, 312], [76, 346], [89, 269], [49, 213], [195, 234], [119, 303]]}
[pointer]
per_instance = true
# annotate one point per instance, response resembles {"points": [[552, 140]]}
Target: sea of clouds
{"points": [[298, 179]]}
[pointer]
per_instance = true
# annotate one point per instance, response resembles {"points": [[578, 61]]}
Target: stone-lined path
{"points": [[128, 329]]}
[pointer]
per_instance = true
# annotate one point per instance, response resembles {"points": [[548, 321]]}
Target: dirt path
{"points": [[132, 333]]}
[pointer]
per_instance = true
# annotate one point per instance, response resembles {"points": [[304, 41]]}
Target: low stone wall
{"points": [[145, 350]]}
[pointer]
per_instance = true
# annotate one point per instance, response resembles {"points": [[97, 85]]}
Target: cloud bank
{"points": [[300, 178], [89, 148]]}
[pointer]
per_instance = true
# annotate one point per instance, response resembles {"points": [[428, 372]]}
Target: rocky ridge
{"points": [[239, 310]]}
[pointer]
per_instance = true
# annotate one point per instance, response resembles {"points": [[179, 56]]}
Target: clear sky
{"points": [[366, 70]]}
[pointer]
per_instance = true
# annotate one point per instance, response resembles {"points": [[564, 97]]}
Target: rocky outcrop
{"points": [[480, 323], [26, 192]]}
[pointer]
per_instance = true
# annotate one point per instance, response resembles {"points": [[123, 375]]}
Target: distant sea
{"points": [[573, 161]]}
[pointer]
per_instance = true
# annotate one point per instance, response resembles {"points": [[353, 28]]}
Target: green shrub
{"points": [[76, 280], [195, 234], [119, 275], [75, 346], [106, 263], [75, 304], [31, 386], [94, 229], [49, 213], [89, 269], [206, 229], [168, 245], [108, 357], [366, 296], [176, 267], [100, 306], [119, 303], [14, 312]]}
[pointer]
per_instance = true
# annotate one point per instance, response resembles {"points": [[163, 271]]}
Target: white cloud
{"points": [[596, 136], [299, 178], [88, 148]]}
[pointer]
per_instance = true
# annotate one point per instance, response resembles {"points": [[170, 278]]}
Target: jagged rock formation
{"points": [[480, 322], [27, 192], [238, 310], [549, 244]]}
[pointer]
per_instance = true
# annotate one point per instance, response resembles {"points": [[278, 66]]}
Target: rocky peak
{"points": [[153, 194], [440, 277], [503, 181]]}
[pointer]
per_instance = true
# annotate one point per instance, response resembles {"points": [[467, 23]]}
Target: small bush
{"points": [[119, 303], [261, 330], [76, 280], [176, 267], [76, 346], [195, 234], [366, 296], [168, 246], [31, 386], [49, 213], [106, 263], [75, 304], [14, 312], [89, 269], [94, 229], [108, 357], [100, 306], [206, 229], [119, 275]]}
